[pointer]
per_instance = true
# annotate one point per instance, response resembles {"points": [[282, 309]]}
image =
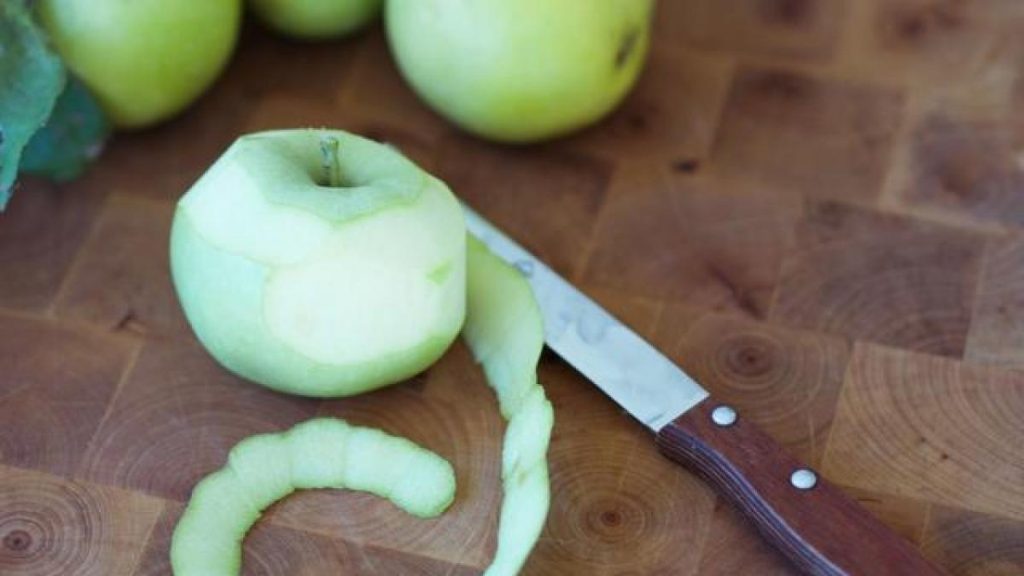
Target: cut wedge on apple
{"points": [[320, 453]]}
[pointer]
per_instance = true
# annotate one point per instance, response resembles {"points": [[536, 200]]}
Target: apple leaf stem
{"points": [[329, 161]]}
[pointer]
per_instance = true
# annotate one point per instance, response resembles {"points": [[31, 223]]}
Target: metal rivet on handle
{"points": [[723, 415], [803, 479]]}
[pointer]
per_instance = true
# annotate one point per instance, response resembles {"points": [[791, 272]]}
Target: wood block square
{"points": [[786, 381], [175, 418], [619, 506], [671, 114], [879, 277], [930, 428], [122, 280], [703, 247], [906, 517], [936, 41], [545, 201], [800, 29], [967, 169], [997, 325], [970, 543], [462, 425], [270, 550], [51, 525], [788, 131], [41, 231], [733, 546], [55, 386]]}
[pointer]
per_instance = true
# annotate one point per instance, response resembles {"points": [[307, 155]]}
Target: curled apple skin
{"points": [[319, 453], [505, 331], [314, 287]]}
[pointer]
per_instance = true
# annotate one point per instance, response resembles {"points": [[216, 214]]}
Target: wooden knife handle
{"points": [[820, 529]]}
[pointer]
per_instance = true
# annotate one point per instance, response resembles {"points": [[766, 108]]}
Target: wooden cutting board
{"points": [[816, 208]]}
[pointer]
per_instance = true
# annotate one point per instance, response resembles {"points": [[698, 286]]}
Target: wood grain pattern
{"points": [[785, 381], [176, 416], [935, 43], [812, 205], [670, 116], [122, 279], [55, 386], [708, 250], [950, 441], [50, 525], [971, 543], [799, 29], [817, 136], [881, 278], [40, 235], [968, 167], [997, 329]]}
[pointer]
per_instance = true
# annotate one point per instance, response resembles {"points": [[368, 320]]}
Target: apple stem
{"points": [[329, 161]]}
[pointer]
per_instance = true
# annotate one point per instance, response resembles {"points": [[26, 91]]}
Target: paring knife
{"points": [[816, 526]]}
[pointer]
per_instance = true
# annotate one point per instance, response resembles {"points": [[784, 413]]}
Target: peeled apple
{"points": [[319, 287], [320, 263]]}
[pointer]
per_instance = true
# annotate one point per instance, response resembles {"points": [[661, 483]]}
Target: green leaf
{"points": [[31, 78], [72, 137]]}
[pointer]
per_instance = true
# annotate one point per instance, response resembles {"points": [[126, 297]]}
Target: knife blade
{"points": [[819, 529]]}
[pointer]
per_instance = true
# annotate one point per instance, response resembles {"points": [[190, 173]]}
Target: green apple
{"points": [[520, 70], [319, 453], [145, 60], [316, 19], [320, 263]]}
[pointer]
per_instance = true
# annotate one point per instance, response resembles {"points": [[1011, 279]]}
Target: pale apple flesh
{"points": [[319, 290], [145, 60], [316, 19], [319, 453], [505, 331], [520, 70]]}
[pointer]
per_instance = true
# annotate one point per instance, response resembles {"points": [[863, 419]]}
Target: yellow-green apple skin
{"points": [[520, 70], [315, 289], [145, 60], [316, 19]]}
